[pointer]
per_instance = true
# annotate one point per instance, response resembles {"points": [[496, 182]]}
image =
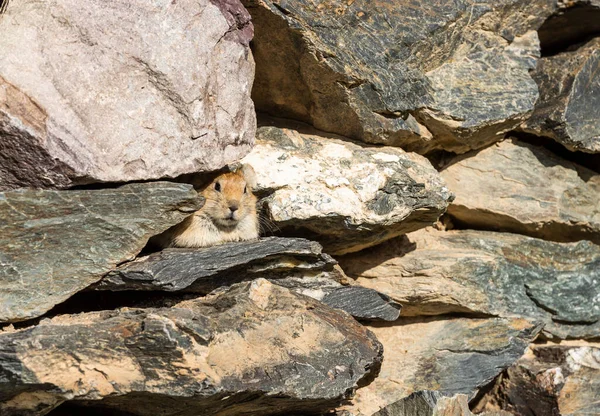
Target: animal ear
{"points": [[249, 175]]}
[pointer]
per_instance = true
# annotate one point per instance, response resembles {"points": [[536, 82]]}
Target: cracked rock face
{"points": [[342, 194], [441, 75], [517, 187], [56, 243], [255, 349], [167, 93], [434, 272], [420, 355], [550, 379], [568, 109]]}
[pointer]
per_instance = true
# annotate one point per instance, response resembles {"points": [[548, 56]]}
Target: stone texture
{"points": [[483, 273], [440, 75], [550, 379], [344, 195], [456, 356], [521, 188], [256, 349], [568, 109], [167, 93], [295, 263], [55, 243]]}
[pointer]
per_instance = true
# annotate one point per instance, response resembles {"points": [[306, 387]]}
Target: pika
{"points": [[229, 214]]}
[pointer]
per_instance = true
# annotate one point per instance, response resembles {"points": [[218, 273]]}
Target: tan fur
{"points": [[215, 222]]}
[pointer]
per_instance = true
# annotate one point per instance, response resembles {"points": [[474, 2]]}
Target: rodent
{"points": [[229, 213]]}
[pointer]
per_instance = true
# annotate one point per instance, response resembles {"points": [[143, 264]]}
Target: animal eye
{"points": [[245, 189], [217, 187]]}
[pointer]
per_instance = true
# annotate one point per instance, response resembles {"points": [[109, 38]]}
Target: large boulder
{"points": [[56, 243], [485, 273], [342, 194], [452, 356], [423, 76], [255, 349], [111, 91], [517, 187], [568, 109]]}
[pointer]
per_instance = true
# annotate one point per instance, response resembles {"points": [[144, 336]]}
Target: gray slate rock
{"points": [[516, 187], [56, 243], [343, 194], [255, 349], [422, 76], [475, 272], [167, 93], [294, 263], [568, 109]]}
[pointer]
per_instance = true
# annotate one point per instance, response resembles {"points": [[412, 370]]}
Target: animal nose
{"points": [[233, 207]]}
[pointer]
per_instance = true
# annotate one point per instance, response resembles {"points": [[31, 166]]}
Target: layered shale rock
{"points": [[568, 109], [344, 195], [295, 263], [112, 91], [441, 75], [550, 379], [450, 356], [434, 272], [517, 187], [256, 349], [55, 243]]}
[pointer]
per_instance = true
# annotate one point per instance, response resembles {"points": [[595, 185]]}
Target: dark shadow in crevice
{"points": [[569, 28]]}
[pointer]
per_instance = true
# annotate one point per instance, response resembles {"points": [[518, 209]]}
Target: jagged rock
{"points": [[344, 195], [256, 349], [295, 263], [455, 356], [568, 109], [167, 93], [439, 75], [435, 272], [550, 379], [55, 243], [517, 187]]}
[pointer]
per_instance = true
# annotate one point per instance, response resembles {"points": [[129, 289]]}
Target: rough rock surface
{"points": [[521, 188], [344, 195], [295, 263], [550, 379], [568, 109], [166, 93], [256, 349], [420, 354], [440, 75], [55, 243], [435, 272]]}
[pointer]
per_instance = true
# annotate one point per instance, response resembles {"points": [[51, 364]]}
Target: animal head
{"points": [[229, 197]]}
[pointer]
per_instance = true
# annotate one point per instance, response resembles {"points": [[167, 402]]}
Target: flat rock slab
{"points": [[550, 379], [525, 189], [454, 356], [255, 349], [55, 243], [344, 195], [440, 75], [167, 93], [438, 272], [568, 109], [295, 263]]}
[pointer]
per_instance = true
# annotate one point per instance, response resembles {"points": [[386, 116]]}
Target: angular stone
{"points": [[454, 356], [167, 93], [55, 243], [440, 75], [295, 263], [550, 379], [435, 272], [255, 349], [568, 109], [344, 195], [521, 188]]}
